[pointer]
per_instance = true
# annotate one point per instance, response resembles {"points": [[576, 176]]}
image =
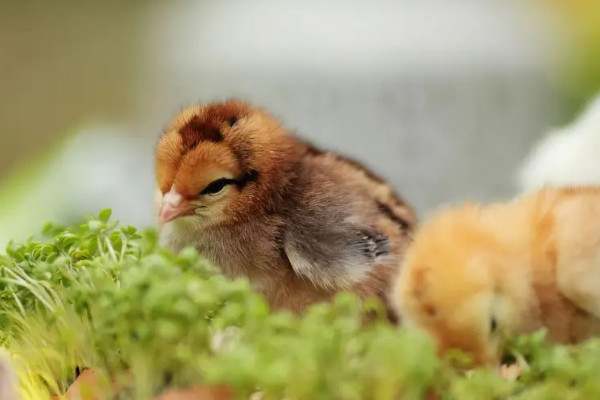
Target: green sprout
{"points": [[102, 296]]}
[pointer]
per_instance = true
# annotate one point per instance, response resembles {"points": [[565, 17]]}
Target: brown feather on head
{"points": [[215, 162]]}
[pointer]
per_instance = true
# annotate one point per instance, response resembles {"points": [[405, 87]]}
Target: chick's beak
{"points": [[174, 206]]}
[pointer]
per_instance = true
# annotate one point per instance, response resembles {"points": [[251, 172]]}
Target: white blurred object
{"points": [[101, 166], [8, 379], [566, 156], [348, 36]]}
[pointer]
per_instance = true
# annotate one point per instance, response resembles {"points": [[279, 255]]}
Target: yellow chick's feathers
{"points": [[477, 274]]}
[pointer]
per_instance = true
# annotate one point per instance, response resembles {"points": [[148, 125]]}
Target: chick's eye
{"points": [[215, 186]]}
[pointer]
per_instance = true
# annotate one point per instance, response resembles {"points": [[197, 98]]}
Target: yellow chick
{"points": [[477, 274]]}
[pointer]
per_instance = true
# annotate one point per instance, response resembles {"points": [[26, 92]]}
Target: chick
{"points": [[300, 223], [476, 275], [566, 156]]}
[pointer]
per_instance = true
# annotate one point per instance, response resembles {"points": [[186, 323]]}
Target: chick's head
{"points": [[451, 285], [215, 163]]}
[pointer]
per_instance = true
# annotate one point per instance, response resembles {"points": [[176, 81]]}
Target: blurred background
{"points": [[442, 97]]}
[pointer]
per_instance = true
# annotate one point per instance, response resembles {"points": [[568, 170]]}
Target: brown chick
{"points": [[476, 275], [301, 224]]}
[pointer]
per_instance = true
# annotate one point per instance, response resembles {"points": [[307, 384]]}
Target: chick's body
{"points": [[475, 275], [300, 223]]}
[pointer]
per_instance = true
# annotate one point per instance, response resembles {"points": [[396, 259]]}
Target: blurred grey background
{"points": [[443, 98]]}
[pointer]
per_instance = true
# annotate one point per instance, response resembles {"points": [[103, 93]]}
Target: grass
{"points": [[103, 296]]}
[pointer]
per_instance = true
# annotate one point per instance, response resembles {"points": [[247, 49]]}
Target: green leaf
{"points": [[98, 294], [104, 215]]}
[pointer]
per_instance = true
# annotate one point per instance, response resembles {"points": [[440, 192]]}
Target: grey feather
{"points": [[330, 247]]}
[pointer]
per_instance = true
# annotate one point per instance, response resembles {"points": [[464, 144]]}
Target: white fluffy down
{"points": [[566, 156]]}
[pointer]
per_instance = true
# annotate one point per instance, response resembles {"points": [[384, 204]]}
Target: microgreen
{"points": [[108, 297]]}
